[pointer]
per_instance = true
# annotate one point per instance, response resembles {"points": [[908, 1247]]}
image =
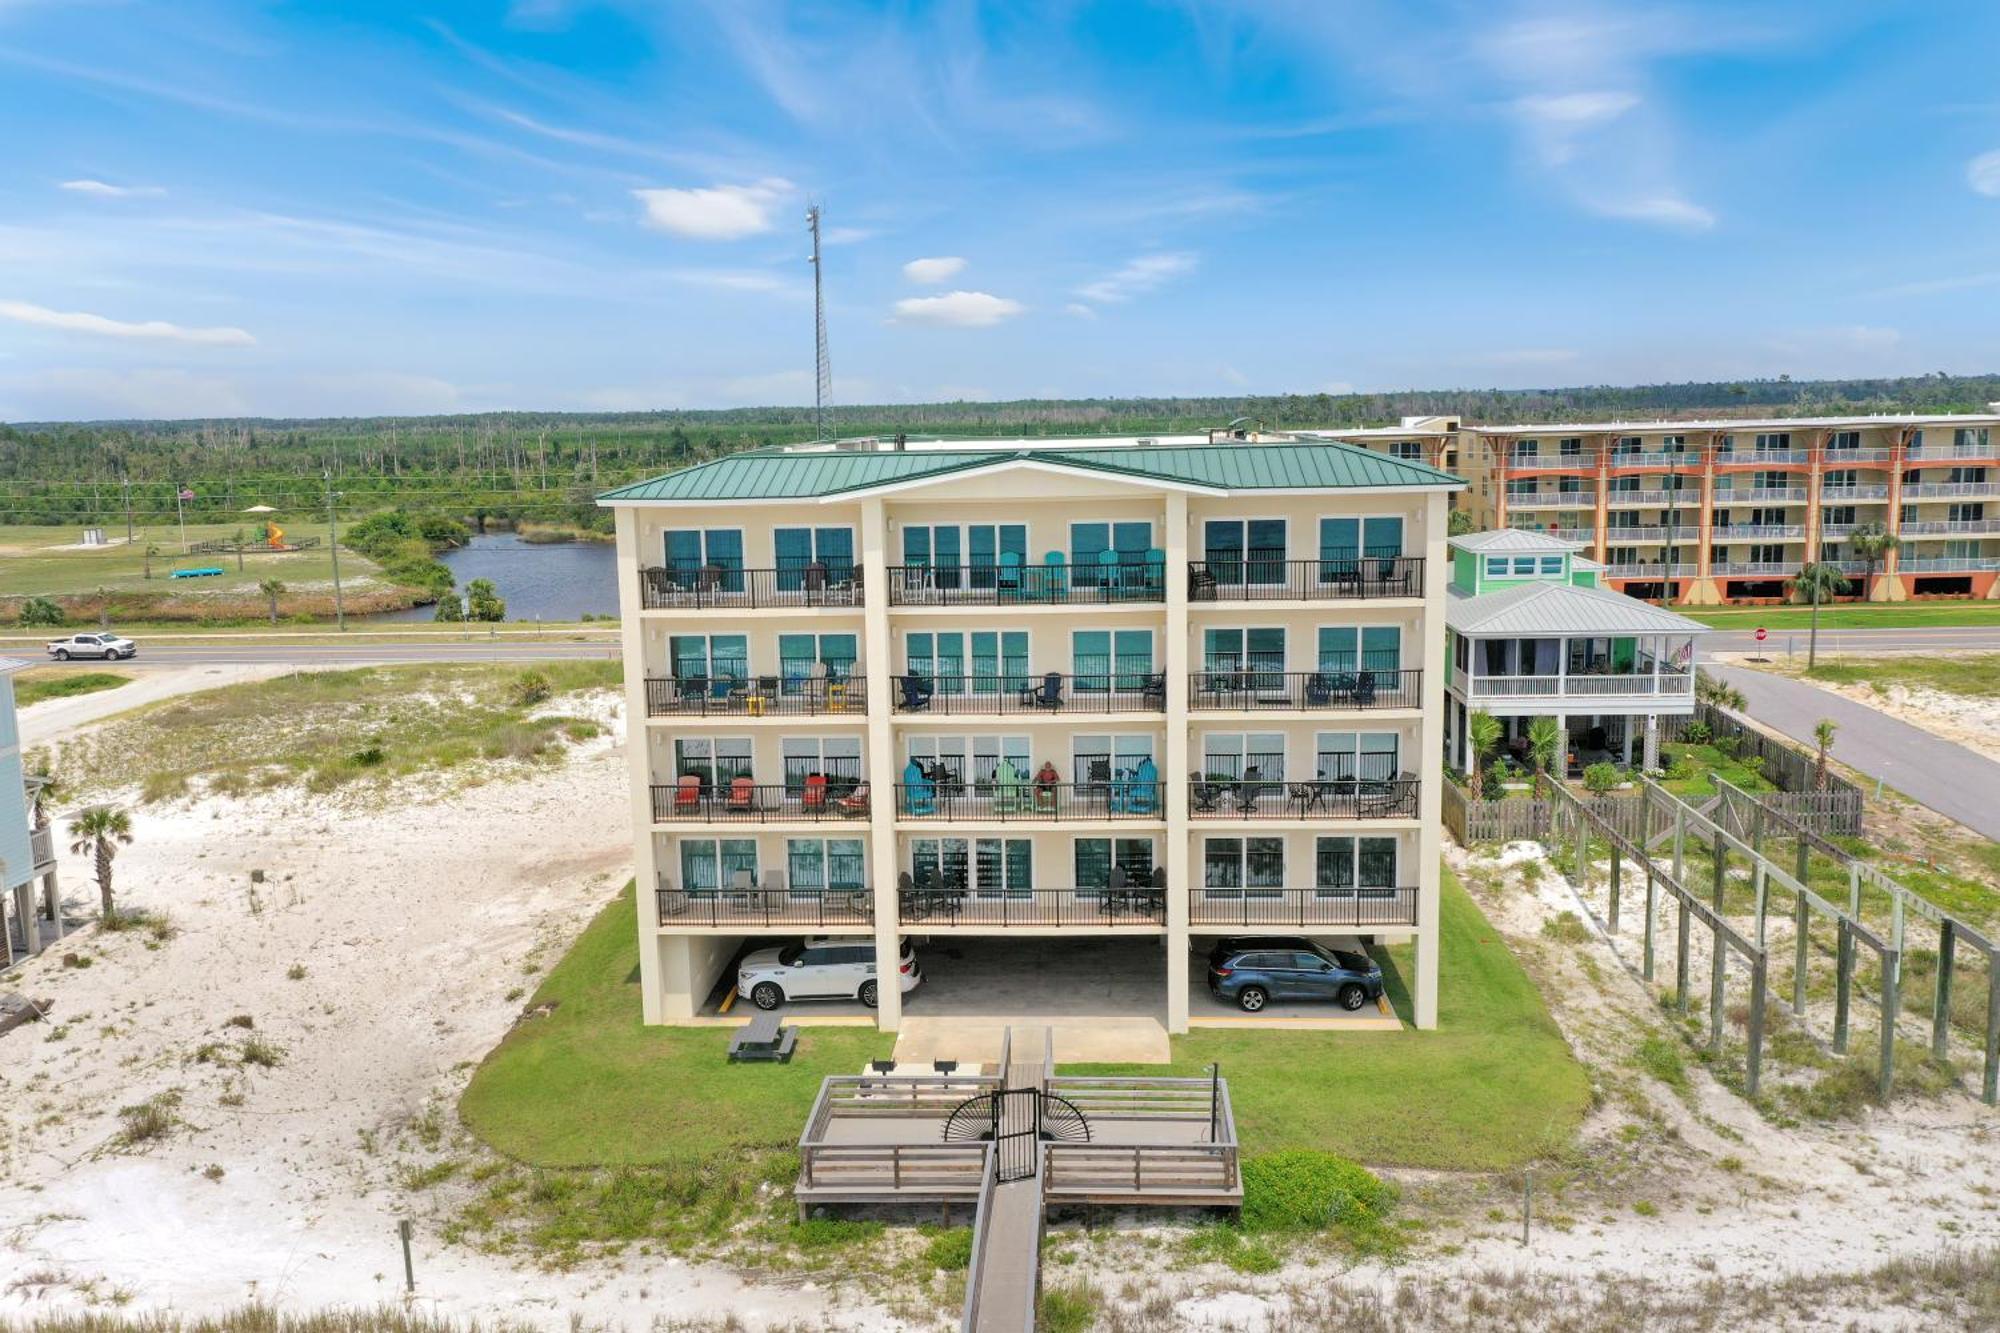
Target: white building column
{"points": [[878, 664], [1430, 771], [1175, 770], [654, 1002], [1651, 759]]}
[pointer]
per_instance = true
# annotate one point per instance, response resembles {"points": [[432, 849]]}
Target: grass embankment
{"points": [[44, 562], [1974, 675], [325, 729], [1871, 615], [32, 687]]}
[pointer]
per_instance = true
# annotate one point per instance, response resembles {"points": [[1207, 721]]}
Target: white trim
{"points": [[1020, 465]]}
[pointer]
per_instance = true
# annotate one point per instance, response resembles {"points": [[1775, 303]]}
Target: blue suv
{"points": [[1254, 972]]}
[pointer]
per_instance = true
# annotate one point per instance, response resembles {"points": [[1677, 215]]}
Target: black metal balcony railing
{"points": [[1250, 688], [713, 586], [755, 696], [1324, 798], [762, 907], [752, 803], [1114, 798], [1140, 579], [952, 906], [1116, 692], [1254, 579], [1348, 908]]}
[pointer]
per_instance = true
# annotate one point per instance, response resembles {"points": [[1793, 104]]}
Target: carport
{"points": [[1104, 998], [1205, 1010]]}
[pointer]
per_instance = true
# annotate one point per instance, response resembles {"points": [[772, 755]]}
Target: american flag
{"points": [[187, 493]]}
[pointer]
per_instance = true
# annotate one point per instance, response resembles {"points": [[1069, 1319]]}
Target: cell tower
{"points": [[822, 372]]}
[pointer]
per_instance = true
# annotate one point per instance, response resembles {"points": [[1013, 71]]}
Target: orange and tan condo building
{"points": [[1707, 512], [1029, 725]]}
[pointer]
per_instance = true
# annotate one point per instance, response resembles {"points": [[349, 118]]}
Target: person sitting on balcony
{"points": [[1047, 781]]}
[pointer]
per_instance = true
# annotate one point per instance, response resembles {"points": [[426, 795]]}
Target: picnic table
{"points": [[762, 1038]]}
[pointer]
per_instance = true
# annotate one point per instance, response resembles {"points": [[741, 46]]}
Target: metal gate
{"points": [[1017, 1134]]}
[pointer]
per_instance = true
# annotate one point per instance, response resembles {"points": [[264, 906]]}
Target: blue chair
{"points": [[916, 692], [1055, 577], [1007, 578], [1156, 571], [1110, 573], [1142, 794], [919, 796]]}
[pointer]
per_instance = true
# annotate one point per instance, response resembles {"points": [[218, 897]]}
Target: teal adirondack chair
{"points": [[1010, 789], [1055, 577]]}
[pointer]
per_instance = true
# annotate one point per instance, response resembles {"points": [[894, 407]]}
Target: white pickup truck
{"points": [[107, 646]]}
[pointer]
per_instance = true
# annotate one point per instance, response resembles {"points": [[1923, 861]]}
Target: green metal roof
{"points": [[770, 474]]}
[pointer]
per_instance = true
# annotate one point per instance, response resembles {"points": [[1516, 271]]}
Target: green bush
{"points": [[41, 611], [531, 687], [1303, 1189], [1600, 778], [950, 1250], [483, 601], [1698, 733]]}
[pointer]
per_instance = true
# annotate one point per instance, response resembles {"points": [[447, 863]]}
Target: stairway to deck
{"points": [[1005, 1280]]}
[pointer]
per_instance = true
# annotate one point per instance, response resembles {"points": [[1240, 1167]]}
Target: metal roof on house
{"points": [[1514, 541], [772, 474], [9, 665], [1539, 610]]}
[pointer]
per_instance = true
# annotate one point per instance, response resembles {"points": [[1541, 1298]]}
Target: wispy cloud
{"points": [[1982, 173], [1664, 209], [930, 272], [106, 190], [731, 279], [957, 310], [1138, 277], [716, 212], [156, 330], [1080, 310]]}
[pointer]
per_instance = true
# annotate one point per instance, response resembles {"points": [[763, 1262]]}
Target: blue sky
{"points": [[350, 208]]}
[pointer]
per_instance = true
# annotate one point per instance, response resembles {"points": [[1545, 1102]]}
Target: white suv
{"points": [[822, 969]]}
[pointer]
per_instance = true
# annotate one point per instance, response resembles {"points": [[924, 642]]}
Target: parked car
{"points": [[821, 969], [1255, 971], [107, 646]]}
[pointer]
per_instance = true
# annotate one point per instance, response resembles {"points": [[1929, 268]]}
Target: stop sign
{"points": [[1760, 634]]}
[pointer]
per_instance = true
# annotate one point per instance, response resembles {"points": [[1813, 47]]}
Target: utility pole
{"points": [[822, 372], [126, 481], [333, 549]]}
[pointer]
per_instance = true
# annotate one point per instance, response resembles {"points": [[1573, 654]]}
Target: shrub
{"points": [[368, 756], [1698, 733], [1600, 778], [1303, 1189], [950, 1250], [260, 1051], [41, 611], [151, 1119], [530, 688]]}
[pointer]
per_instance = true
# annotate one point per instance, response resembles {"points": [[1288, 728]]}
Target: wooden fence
{"points": [[1470, 821]]}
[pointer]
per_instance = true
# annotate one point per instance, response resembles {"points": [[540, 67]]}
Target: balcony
{"points": [[1320, 798], [1141, 578], [1757, 568], [1689, 459], [1247, 689], [742, 801], [714, 588], [1549, 462], [1955, 564], [1651, 499], [1255, 579], [1835, 531], [1552, 500], [1020, 799], [1843, 457], [1832, 493], [1671, 685], [1951, 453], [1651, 569], [765, 907], [1945, 527], [1764, 458], [1332, 908], [1946, 490], [42, 847], [791, 695], [1759, 495], [1652, 532], [952, 905], [1756, 531], [1045, 695]]}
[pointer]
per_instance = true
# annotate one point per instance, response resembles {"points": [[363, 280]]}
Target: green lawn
{"points": [[592, 1085], [1494, 1086], [31, 687], [1849, 615], [1973, 674], [1692, 770]]}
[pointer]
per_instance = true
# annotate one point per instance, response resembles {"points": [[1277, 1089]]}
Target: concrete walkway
{"points": [[1941, 774]]}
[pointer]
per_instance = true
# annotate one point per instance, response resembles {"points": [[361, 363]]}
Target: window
{"points": [[1725, 444], [1340, 865], [1232, 867], [1106, 659], [1343, 540], [1964, 513], [999, 659], [1101, 758], [1571, 446], [691, 549], [708, 864], [1552, 566], [1368, 755], [971, 759], [1906, 514], [1527, 449], [799, 548], [1767, 515], [1245, 550], [943, 863], [1837, 515], [1003, 866], [1844, 439], [1916, 444], [1096, 856], [814, 865], [1527, 486], [1776, 442], [1496, 566], [1231, 650], [940, 657], [1627, 444], [799, 653], [1768, 554], [1970, 437], [967, 555], [1411, 449], [1840, 478], [717, 762], [1673, 444], [1364, 647], [1524, 566], [1569, 485], [1131, 545], [716, 657], [837, 758], [1230, 756]]}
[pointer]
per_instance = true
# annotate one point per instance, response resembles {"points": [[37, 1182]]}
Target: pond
{"points": [[537, 580]]}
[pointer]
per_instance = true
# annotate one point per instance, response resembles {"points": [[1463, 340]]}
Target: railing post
{"points": [[1801, 927], [1616, 859], [1843, 984], [1755, 1062], [1681, 953], [1941, 994], [1892, 1000], [1990, 1089], [1650, 890]]}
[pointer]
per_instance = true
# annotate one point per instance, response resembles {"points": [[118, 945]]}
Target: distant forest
{"points": [[549, 465]]}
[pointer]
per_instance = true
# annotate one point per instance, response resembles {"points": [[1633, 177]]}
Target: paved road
{"points": [[359, 653], [1955, 638], [1945, 776]]}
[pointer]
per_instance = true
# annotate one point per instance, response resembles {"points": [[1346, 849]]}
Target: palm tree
{"points": [[97, 832], [1817, 582], [1823, 733], [1545, 747], [152, 549], [272, 589], [46, 795], [1872, 541], [1719, 693], [1482, 730]]}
